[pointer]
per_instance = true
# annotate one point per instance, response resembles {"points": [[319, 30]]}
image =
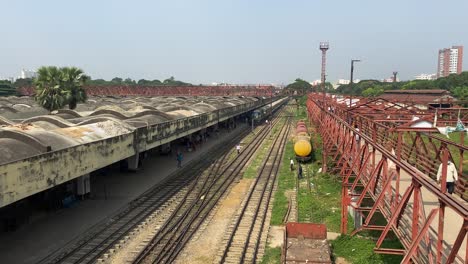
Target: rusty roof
{"points": [[435, 91], [418, 96]]}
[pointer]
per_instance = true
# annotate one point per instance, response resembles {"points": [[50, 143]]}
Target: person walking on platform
{"points": [[291, 164], [179, 158], [238, 147], [299, 172], [452, 176]]}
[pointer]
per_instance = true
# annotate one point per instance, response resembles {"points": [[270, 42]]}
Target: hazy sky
{"points": [[244, 41]]}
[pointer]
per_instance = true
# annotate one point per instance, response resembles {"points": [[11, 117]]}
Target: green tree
{"points": [[116, 80], [98, 82], [57, 87], [28, 82], [6, 88], [373, 91], [73, 80], [49, 90], [129, 81], [299, 86], [461, 93]]}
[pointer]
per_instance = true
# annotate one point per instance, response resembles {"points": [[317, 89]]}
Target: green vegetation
{"points": [[7, 88], [57, 87], [457, 84], [23, 83], [302, 87], [322, 204], [254, 166], [286, 181], [272, 255], [359, 250], [252, 171]]}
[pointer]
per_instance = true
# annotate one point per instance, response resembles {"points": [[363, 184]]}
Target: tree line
{"points": [[456, 84], [142, 82], [57, 87], [117, 81]]}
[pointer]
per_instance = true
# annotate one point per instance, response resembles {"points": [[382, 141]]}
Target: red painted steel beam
{"points": [[390, 251], [457, 244], [415, 244]]}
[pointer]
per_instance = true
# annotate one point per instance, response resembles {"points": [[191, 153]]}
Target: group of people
{"points": [[299, 168]]}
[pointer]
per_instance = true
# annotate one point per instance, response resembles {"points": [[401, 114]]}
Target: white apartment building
{"points": [[27, 74], [423, 76]]}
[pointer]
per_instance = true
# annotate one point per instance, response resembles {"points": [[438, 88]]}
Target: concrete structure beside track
{"points": [[41, 152]]}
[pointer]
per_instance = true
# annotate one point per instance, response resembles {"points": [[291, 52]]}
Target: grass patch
{"points": [[254, 166], [286, 181], [272, 255], [360, 250], [323, 203]]}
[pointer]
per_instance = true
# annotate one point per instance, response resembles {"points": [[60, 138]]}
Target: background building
{"points": [[424, 76], [450, 61], [27, 74]]}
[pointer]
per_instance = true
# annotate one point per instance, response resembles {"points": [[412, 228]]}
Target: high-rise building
{"points": [[450, 61]]}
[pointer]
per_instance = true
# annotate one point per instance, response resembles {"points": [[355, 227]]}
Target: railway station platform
{"points": [[48, 233]]}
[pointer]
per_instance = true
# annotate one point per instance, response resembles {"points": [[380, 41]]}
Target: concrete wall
{"points": [[26, 177]]}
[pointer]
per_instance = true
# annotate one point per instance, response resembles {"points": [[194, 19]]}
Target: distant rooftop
{"points": [[417, 92], [418, 96]]}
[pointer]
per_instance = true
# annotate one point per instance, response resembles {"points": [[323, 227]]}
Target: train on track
{"points": [[302, 146], [261, 114]]}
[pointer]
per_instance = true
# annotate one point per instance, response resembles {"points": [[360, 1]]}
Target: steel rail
{"points": [[249, 197], [169, 187], [158, 237]]}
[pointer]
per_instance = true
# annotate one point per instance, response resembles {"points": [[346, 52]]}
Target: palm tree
{"points": [[73, 80], [49, 91]]}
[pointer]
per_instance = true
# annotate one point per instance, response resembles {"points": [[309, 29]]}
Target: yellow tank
{"points": [[302, 147]]}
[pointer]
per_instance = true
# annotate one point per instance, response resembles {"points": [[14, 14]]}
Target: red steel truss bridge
{"points": [[387, 158], [122, 90]]}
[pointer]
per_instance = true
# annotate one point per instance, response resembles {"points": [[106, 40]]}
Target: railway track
{"points": [[243, 241], [170, 240], [155, 203]]}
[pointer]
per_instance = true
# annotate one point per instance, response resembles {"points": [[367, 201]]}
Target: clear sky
{"points": [[243, 41]]}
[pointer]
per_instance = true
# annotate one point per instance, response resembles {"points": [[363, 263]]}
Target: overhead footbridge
{"points": [[387, 155]]}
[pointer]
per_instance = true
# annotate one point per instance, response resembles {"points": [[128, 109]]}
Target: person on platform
{"points": [[452, 176], [291, 164], [179, 158]]}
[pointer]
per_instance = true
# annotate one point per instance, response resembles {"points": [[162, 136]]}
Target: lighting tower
{"points": [[394, 76], [351, 81], [324, 46]]}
